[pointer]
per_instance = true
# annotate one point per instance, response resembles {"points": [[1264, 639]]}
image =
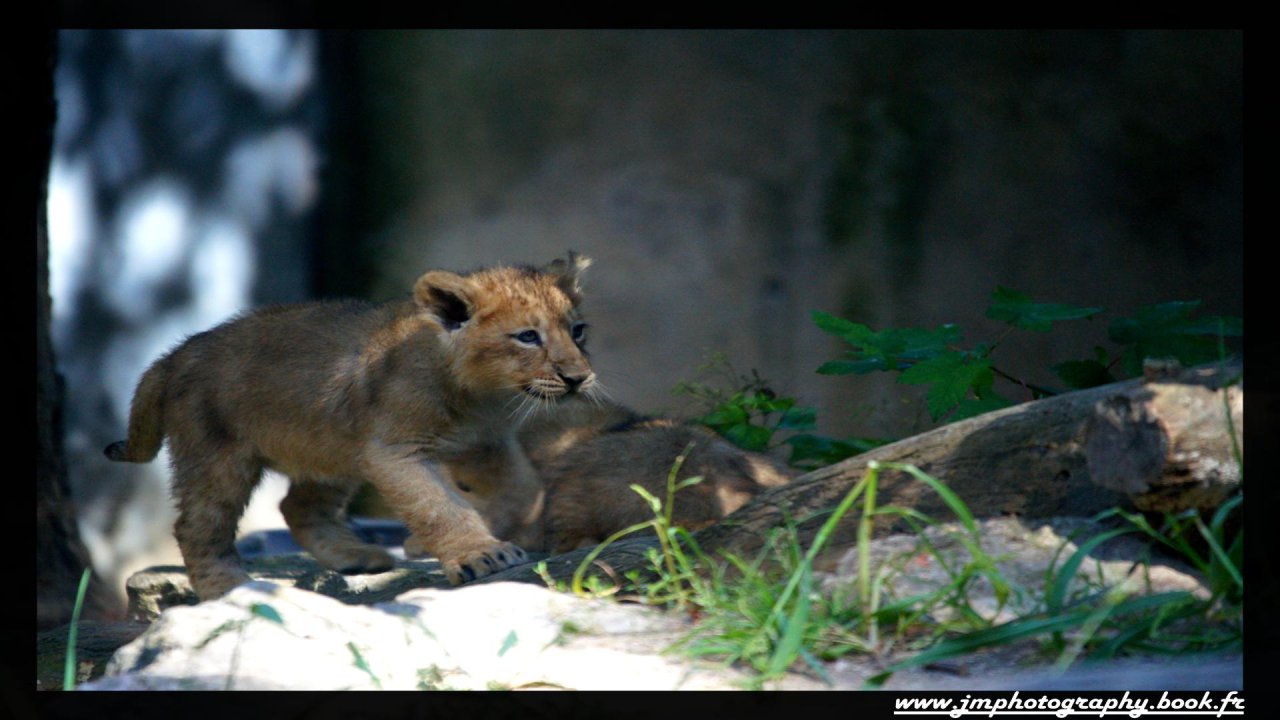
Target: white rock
{"points": [[264, 636]]}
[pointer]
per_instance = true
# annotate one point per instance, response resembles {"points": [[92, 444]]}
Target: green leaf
{"points": [[1081, 374], [849, 367], [266, 612], [655, 505], [1152, 320], [950, 376], [847, 330], [725, 416], [767, 402], [798, 418], [1168, 330], [362, 664], [971, 407], [686, 482], [889, 349], [749, 437], [1017, 309], [508, 642], [819, 450], [1214, 326]]}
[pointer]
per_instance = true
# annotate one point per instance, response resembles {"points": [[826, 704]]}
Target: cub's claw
{"points": [[477, 565], [471, 565]]}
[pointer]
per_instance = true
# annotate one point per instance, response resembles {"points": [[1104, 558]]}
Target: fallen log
{"points": [[1164, 442]]}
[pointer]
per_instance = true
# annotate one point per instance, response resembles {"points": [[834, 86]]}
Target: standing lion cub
{"points": [[334, 393]]}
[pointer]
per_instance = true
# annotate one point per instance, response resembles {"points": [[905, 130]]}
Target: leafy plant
{"points": [[1168, 330], [961, 378], [751, 415]]}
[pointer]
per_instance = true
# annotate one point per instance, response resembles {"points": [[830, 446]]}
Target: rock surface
{"points": [[264, 636], [157, 588], [407, 630]]}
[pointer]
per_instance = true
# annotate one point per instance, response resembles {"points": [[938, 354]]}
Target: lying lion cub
{"points": [[333, 393], [588, 454]]}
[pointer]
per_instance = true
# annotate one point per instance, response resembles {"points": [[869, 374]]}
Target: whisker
{"points": [[520, 413], [599, 394], [618, 378], [532, 407], [540, 408], [519, 395]]}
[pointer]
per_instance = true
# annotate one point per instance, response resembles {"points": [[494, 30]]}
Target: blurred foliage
{"points": [[961, 379]]}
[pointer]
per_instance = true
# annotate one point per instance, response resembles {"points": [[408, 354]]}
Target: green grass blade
{"points": [[1225, 563], [775, 614], [361, 664], [1172, 605], [952, 500], [824, 533], [1056, 596], [576, 585], [69, 668], [864, 544], [996, 635], [1089, 628], [788, 647], [1219, 520]]}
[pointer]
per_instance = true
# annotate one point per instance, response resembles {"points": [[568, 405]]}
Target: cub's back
{"points": [[307, 364]]}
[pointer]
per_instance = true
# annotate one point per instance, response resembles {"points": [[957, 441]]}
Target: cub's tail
{"points": [[146, 419]]}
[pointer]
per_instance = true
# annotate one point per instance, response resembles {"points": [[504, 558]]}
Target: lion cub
{"points": [[334, 393], [588, 454]]}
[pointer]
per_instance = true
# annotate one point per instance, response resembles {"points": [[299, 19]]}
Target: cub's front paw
{"points": [[486, 562]]}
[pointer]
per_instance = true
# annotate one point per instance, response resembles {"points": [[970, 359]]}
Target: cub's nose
{"points": [[574, 381]]}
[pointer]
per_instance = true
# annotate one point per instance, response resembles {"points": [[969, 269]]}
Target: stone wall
{"points": [[730, 183]]}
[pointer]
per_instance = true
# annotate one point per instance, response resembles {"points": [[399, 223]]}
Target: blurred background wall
{"points": [[728, 183]]}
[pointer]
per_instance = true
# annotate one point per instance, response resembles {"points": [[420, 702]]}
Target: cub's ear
{"points": [[446, 296], [567, 272]]}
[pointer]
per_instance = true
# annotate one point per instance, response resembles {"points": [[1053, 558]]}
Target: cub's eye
{"points": [[578, 332], [528, 337]]}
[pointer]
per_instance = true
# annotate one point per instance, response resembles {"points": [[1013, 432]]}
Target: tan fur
{"points": [[588, 455], [334, 393]]}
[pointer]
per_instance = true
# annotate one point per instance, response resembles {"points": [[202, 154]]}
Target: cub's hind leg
{"points": [[316, 514], [212, 486]]}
